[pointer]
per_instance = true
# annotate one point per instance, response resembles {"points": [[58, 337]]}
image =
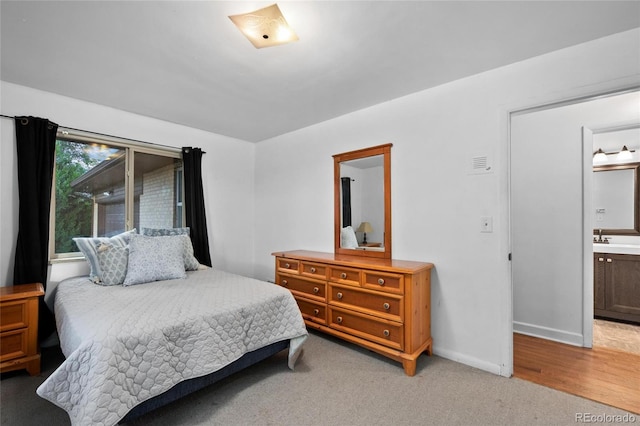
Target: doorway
{"points": [[551, 234], [552, 244]]}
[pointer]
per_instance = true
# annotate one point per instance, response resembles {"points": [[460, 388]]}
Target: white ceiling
{"points": [[185, 62]]}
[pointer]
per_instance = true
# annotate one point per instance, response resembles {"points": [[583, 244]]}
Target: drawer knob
{"points": [[316, 311], [343, 275], [287, 265], [285, 283], [339, 295], [386, 333], [601, 259], [339, 320], [381, 281], [316, 289], [609, 260], [386, 306], [313, 270]]}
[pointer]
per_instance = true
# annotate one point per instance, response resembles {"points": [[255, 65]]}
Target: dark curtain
{"points": [[194, 203], [346, 201], [36, 143]]}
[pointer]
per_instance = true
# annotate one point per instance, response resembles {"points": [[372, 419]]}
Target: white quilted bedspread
{"points": [[124, 345]]}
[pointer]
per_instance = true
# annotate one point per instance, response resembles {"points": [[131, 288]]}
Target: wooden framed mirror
{"points": [[362, 202], [616, 199]]}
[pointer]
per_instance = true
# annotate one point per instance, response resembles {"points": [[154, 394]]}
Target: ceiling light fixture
{"points": [[265, 27]]}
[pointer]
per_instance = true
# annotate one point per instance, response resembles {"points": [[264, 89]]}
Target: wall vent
{"points": [[480, 165]]}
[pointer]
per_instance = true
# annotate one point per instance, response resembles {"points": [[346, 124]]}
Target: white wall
{"points": [[228, 174], [436, 202], [547, 213]]}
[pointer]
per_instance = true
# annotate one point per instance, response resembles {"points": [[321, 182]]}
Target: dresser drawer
{"points": [[314, 270], [304, 287], [392, 283], [377, 330], [312, 311], [14, 315], [345, 275], [287, 265], [371, 302], [13, 344]]}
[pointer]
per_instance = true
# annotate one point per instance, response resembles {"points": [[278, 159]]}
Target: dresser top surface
{"points": [[21, 291], [355, 261]]}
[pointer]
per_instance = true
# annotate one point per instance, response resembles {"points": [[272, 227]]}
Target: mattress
{"points": [[125, 345]]}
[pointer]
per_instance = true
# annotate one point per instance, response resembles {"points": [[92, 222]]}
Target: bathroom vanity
{"points": [[616, 273]]}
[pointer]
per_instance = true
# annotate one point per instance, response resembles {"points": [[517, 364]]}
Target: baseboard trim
{"points": [[470, 361], [561, 336]]}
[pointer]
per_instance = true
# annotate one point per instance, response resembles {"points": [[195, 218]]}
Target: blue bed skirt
{"points": [[188, 386]]}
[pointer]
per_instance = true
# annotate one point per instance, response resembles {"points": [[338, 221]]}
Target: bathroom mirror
{"points": [[616, 194], [362, 202]]}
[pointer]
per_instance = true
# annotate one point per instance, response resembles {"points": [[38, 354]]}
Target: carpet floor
{"points": [[335, 383]]}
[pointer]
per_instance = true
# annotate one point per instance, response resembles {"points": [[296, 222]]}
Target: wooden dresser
{"points": [[19, 328], [381, 304]]}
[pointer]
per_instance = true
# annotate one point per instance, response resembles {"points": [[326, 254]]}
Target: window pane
{"points": [[158, 191], [89, 192]]}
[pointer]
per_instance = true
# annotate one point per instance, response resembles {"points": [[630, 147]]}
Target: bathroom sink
{"points": [[616, 248]]}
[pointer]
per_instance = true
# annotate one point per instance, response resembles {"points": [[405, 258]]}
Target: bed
{"points": [[129, 349]]}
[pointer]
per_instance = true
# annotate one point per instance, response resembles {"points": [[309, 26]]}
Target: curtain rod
{"points": [[63, 128]]}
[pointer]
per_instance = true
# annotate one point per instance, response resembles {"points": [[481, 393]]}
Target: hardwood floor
{"points": [[609, 376]]}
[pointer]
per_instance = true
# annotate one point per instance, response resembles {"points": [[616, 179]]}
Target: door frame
{"points": [[587, 208], [587, 172]]}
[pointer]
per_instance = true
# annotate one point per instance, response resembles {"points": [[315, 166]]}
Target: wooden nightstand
{"points": [[19, 328]]}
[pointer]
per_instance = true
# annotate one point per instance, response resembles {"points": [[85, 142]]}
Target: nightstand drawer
{"points": [[312, 311], [13, 344], [14, 315], [370, 302], [377, 330], [304, 287]]}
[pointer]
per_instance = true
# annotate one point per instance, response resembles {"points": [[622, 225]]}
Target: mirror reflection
{"points": [[362, 203], [615, 199]]}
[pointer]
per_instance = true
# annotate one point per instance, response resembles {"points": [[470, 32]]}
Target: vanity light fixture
{"points": [[599, 156], [265, 27], [364, 228], [624, 154]]}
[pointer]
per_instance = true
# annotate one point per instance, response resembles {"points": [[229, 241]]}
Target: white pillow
{"points": [[348, 238], [155, 259]]}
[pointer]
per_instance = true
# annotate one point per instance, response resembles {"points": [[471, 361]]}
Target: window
{"points": [[105, 187]]}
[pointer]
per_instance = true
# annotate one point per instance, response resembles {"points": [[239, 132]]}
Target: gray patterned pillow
{"points": [[163, 232], [88, 246], [113, 260], [190, 262], [155, 259]]}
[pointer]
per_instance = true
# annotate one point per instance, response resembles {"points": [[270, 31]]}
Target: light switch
{"points": [[486, 224]]}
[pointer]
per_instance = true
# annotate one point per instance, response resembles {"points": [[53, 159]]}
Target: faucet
{"points": [[600, 239]]}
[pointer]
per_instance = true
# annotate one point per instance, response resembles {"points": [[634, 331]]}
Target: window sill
{"points": [[67, 259]]}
